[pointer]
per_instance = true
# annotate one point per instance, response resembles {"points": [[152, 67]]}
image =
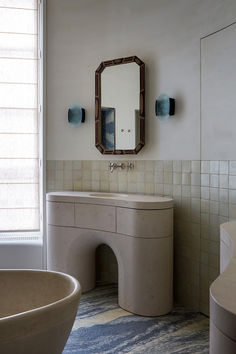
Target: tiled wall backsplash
{"points": [[204, 194]]}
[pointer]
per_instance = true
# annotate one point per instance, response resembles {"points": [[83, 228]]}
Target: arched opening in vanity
{"points": [[106, 265]]}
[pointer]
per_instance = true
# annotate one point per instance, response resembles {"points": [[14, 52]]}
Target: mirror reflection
{"points": [[120, 86]]}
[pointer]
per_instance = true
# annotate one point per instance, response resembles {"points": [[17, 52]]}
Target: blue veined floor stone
{"points": [[102, 327]]}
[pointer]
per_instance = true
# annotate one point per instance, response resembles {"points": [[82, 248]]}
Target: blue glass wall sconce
{"points": [[76, 114], [164, 107]]}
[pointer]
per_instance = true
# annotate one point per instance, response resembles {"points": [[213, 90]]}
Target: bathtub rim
{"points": [[222, 308], [73, 296], [229, 229]]}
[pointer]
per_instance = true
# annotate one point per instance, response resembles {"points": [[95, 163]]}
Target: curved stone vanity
{"points": [[139, 230], [223, 295]]}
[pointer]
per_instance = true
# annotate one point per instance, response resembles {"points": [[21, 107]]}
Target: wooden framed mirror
{"points": [[120, 106]]}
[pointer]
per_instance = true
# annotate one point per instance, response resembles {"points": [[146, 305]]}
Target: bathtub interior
{"points": [[24, 290]]}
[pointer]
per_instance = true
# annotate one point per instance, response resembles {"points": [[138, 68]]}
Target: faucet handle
{"points": [[130, 166], [112, 166], [121, 165]]}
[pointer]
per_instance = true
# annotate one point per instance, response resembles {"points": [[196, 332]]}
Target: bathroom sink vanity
{"points": [[139, 230]]}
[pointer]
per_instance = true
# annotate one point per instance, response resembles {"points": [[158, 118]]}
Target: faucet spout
{"points": [[112, 166], [121, 165]]}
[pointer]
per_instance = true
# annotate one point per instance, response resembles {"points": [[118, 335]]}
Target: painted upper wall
{"points": [[165, 34], [218, 89]]}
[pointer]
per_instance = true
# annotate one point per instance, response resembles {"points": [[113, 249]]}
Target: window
{"points": [[19, 117]]}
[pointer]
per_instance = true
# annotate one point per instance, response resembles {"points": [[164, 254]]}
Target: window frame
{"points": [[28, 234]]}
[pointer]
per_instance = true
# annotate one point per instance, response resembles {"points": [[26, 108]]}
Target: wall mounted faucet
{"points": [[121, 165]]}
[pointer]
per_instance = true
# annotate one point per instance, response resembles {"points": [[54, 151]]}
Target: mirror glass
{"points": [[120, 106]]}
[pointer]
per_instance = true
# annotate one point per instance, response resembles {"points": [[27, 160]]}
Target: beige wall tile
{"points": [[86, 175], [232, 167], [205, 179], [168, 190], [159, 177], [67, 185], [177, 166], [186, 166], [104, 175], [205, 206], [224, 195], [140, 176], [186, 191], [224, 181], [168, 165], [177, 178], [76, 165], [196, 166], [67, 165], [214, 194], [86, 165], [95, 185], [224, 209], [186, 178], [149, 177], [195, 179], [132, 176], [123, 186], [214, 166], [232, 182], [196, 191], [232, 211], [114, 187], [205, 192], [159, 166], [140, 165], [205, 218], [59, 164], [168, 178], [149, 166], [77, 186], [214, 180], [86, 185], [177, 191], [205, 232], [224, 167], [149, 188], [214, 207], [140, 187], [58, 185], [159, 189], [205, 166], [95, 165], [232, 196], [95, 175], [67, 175], [104, 185]]}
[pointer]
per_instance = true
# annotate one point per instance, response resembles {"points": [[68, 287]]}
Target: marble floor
{"points": [[101, 326]]}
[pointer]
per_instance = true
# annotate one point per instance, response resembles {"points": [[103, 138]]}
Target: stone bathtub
{"points": [[37, 311], [223, 295]]}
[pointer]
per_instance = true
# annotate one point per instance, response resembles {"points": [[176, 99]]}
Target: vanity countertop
{"points": [[135, 201]]}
